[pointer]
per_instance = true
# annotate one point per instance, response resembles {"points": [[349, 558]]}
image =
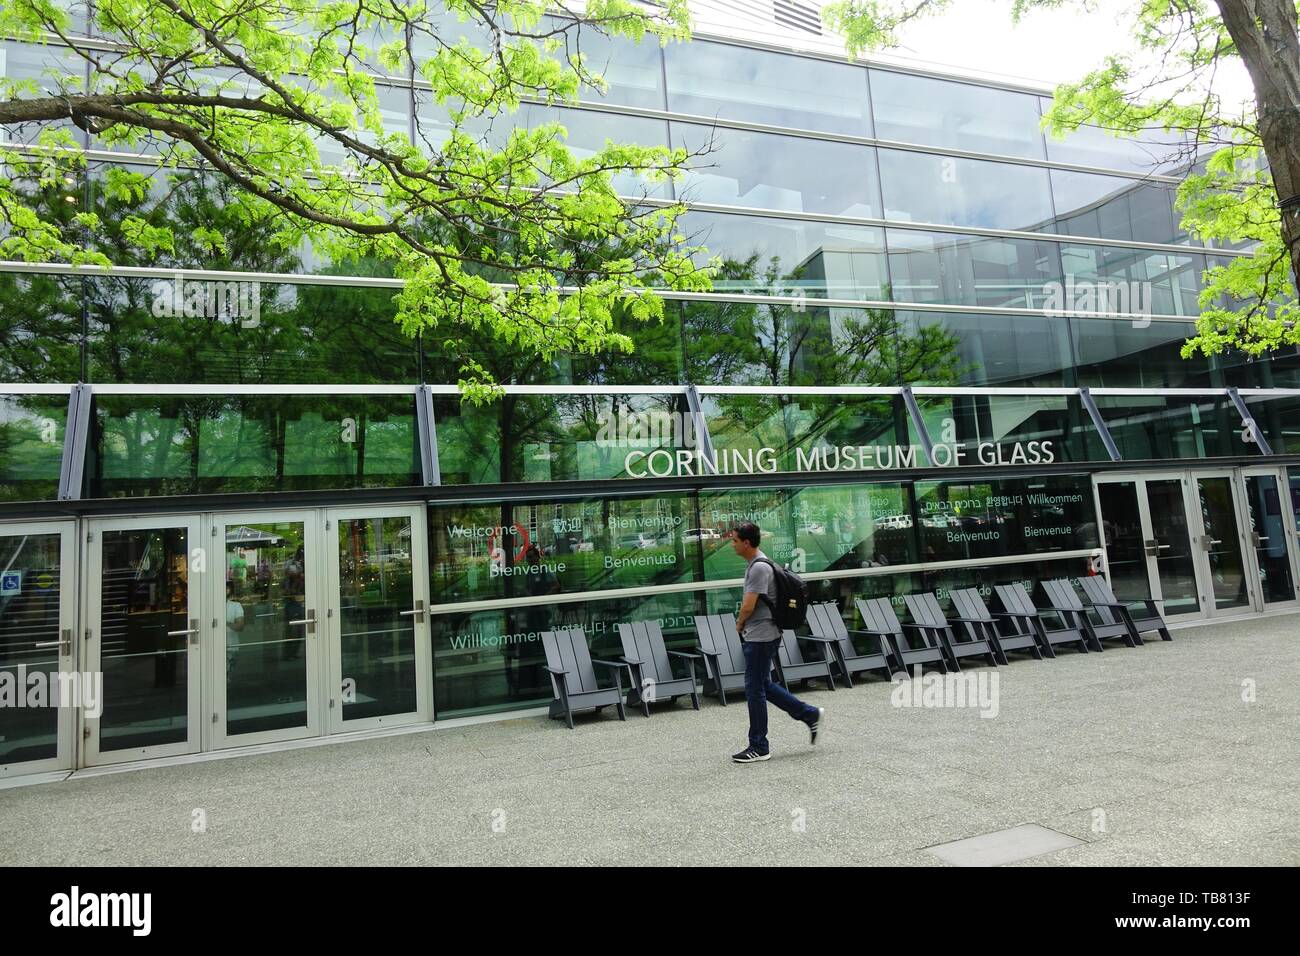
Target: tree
{"points": [[508, 235], [1246, 193]]}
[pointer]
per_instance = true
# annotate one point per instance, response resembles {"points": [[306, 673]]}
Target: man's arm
{"points": [[747, 605]]}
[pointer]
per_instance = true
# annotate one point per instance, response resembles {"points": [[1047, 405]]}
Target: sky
{"points": [[1047, 47]]}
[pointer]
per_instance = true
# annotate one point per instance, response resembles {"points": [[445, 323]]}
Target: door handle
{"points": [[64, 644], [418, 609], [309, 620], [192, 631]]}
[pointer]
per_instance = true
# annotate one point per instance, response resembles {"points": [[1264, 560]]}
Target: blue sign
{"points": [[11, 583]]}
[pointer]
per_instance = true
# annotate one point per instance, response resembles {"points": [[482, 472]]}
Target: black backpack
{"points": [[790, 609]]}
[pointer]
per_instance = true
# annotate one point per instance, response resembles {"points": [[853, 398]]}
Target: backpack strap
{"points": [[763, 597]]}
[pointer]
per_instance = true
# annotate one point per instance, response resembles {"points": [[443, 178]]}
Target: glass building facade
{"points": [[941, 351]]}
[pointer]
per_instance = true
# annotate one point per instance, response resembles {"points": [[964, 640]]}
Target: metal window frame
{"points": [[76, 438]]}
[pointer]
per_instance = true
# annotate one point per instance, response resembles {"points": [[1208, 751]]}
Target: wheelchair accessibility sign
{"points": [[11, 583]]}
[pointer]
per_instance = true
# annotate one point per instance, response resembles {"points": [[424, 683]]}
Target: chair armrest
{"points": [[557, 671], [814, 637], [969, 620], [1115, 604], [619, 665], [635, 662], [694, 657]]}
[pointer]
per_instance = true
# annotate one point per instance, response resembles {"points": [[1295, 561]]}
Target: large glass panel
{"points": [[1133, 353], [768, 171], [376, 632], [813, 529], [1116, 279], [963, 518], [1110, 207], [492, 660], [144, 648], [1222, 543], [1172, 541], [53, 69], [971, 270], [741, 343], [945, 190], [550, 437], [740, 83], [588, 131], [1121, 527], [633, 72], [266, 662], [179, 445], [1151, 151], [952, 348], [1171, 428], [194, 330], [31, 446], [1269, 533], [933, 112], [1279, 421], [767, 434], [514, 549], [790, 256], [1010, 429], [29, 636], [40, 326]]}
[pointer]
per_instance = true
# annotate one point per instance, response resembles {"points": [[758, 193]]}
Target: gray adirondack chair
{"points": [[792, 664], [573, 676], [724, 656], [880, 620], [1060, 600], [825, 621], [928, 619], [651, 664], [974, 615], [1014, 605], [1102, 598]]}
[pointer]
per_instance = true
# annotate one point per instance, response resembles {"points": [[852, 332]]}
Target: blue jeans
{"points": [[759, 689]]}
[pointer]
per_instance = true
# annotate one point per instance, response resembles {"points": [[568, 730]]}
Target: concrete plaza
{"points": [[1154, 755]]}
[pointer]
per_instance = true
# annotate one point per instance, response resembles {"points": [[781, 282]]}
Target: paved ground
{"points": [[1150, 756]]}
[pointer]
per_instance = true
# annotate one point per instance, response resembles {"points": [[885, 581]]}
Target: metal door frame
{"points": [[1279, 474], [332, 644], [315, 596], [92, 597], [1193, 515], [69, 652]]}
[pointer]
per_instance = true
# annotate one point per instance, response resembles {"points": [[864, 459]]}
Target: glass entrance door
{"points": [[267, 601], [37, 607], [1271, 535], [142, 634], [1148, 538], [377, 620], [1222, 550]]}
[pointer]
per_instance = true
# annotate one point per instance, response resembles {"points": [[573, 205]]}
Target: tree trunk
{"points": [[1265, 34]]}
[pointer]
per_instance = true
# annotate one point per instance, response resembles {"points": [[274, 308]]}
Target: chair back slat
{"points": [[566, 649], [825, 620], [1014, 599], [967, 602], [717, 635], [790, 652], [1060, 595], [644, 641], [925, 610]]}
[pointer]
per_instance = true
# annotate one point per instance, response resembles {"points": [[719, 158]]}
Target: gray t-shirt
{"points": [[760, 579]]}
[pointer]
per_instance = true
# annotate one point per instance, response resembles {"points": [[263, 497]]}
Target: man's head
{"points": [[745, 538]]}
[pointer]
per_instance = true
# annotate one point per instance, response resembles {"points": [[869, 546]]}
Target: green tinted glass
{"points": [[31, 446], [163, 445]]}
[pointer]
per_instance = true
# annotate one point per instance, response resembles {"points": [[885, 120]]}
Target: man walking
{"points": [[761, 639]]}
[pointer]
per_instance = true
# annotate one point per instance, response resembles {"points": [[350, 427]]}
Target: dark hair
{"points": [[748, 532]]}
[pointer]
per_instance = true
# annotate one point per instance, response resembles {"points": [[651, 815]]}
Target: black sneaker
{"points": [[749, 755], [815, 725]]}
